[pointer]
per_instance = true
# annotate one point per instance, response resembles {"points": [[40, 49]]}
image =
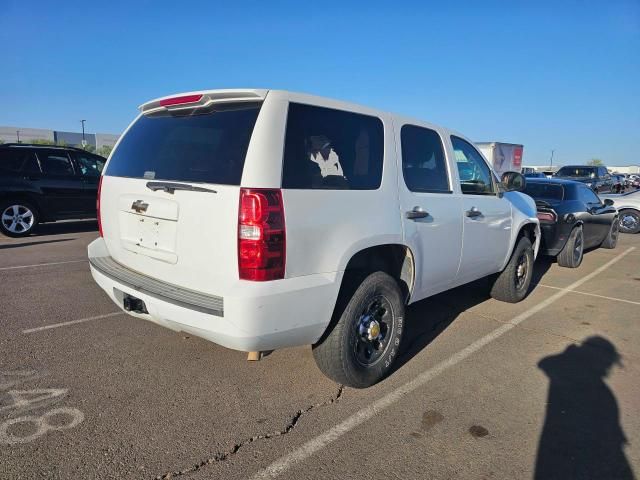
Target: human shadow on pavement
{"points": [[582, 437]]}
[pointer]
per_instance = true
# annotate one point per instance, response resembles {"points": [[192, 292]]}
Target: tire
{"points": [[629, 221], [17, 218], [573, 252], [346, 354], [611, 240], [512, 284]]}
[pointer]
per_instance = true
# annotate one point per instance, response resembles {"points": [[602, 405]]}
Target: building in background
{"points": [[624, 169], [100, 142], [24, 135]]}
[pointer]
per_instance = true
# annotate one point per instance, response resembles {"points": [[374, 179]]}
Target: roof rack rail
{"points": [[42, 145]]}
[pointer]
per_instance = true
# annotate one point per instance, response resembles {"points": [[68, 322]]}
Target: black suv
{"points": [[596, 178], [43, 183]]}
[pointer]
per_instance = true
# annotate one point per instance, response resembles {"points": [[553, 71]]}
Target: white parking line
{"points": [[318, 443], [72, 322], [593, 295], [42, 264]]}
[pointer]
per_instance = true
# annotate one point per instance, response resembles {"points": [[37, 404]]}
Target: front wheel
{"points": [[512, 284], [629, 221], [17, 218], [360, 348]]}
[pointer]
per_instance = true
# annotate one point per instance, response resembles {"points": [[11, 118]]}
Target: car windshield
{"points": [[545, 191], [576, 172]]}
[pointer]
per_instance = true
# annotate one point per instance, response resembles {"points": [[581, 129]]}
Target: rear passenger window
{"points": [[55, 163], [332, 149], [18, 160], [423, 162]]}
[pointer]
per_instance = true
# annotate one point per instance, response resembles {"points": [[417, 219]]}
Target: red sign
{"points": [[517, 157]]}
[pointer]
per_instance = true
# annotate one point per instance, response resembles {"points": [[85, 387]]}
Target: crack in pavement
{"points": [[223, 456]]}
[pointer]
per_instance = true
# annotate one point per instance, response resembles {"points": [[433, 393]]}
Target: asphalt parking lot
{"points": [[548, 388]]}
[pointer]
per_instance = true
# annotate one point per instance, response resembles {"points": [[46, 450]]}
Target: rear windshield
{"points": [[576, 172], [206, 147], [544, 191]]}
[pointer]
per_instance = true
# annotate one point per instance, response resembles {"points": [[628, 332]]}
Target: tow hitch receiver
{"points": [[133, 304]]}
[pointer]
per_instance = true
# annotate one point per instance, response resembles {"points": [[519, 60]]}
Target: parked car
{"points": [[628, 205], [43, 183], [535, 175], [266, 219], [618, 183], [596, 178], [572, 219]]}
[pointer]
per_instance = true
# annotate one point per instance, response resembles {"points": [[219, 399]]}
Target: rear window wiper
{"points": [[171, 187]]}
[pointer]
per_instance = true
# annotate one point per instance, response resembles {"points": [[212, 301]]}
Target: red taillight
{"points": [[167, 102], [546, 216], [261, 234], [98, 206]]}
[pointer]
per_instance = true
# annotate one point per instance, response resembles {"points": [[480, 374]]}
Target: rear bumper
{"points": [[248, 316], [554, 238]]}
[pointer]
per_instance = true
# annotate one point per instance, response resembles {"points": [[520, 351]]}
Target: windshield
{"points": [[207, 147], [545, 191], [576, 172]]}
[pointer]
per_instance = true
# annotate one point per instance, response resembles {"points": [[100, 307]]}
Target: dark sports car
{"points": [[572, 218]]}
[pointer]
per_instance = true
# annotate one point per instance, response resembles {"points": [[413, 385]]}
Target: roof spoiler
{"points": [[192, 100]]}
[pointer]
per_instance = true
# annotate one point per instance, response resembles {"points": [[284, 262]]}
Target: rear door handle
{"points": [[416, 213], [473, 213]]}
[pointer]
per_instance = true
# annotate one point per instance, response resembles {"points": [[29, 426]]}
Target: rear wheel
{"points": [[512, 284], [611, 239], [17, 218], [364, 342], [629, 221], [571, 255]]}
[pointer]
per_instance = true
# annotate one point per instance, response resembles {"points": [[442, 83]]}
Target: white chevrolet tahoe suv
{"points": [[263, 219]]}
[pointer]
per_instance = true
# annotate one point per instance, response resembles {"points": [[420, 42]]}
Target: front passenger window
{"points": [[475, 175], [89, 166]]}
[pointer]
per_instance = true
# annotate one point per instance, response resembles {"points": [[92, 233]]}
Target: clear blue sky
{"points": [[560, 75]]}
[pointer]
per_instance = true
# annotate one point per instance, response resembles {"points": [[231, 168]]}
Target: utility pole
{"points": [[551, 164], [84, 142], [18, 135]]}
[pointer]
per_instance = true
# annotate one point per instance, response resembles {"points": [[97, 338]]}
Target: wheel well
{"points": [[393, 259], [25, 198], [528, 231]]}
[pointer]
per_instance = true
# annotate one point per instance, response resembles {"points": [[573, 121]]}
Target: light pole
{"points": [[551, 164], [84, 143], [18, 135]]}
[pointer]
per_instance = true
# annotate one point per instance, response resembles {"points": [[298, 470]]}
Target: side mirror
{"points": [[513, 182], [608, 202]]}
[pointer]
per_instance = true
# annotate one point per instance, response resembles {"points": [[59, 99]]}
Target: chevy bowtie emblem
{"points": [[139, 206]]}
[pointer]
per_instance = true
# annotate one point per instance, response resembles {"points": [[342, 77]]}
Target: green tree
{"points": [[87, 148], [104, 150], [595, 162], [41, 141]]}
